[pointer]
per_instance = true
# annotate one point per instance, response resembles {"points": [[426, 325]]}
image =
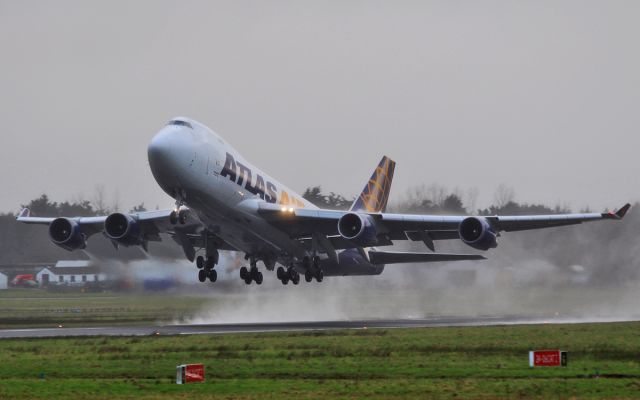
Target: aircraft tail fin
{"points": [[375, 194]]}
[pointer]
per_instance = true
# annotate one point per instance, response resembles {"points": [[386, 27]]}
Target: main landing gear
{"points": [[312, 269], [251, 274], [289, 274], [206, 267]]}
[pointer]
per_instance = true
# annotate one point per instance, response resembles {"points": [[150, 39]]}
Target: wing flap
{"points": [[390, 257]]}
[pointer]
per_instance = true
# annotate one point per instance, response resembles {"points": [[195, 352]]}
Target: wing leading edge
{"points": [[303, 223]]}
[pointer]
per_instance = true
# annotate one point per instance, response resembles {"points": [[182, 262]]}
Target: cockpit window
{"points": [[180, 123]]}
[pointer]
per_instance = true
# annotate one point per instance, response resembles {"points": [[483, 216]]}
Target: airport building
{"points": [[70, 272]]}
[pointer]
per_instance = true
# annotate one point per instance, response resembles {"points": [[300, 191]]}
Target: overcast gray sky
{"points": [[542, 95]]}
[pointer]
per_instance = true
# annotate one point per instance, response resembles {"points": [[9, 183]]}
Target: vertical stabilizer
{"points": [[375, 194]]}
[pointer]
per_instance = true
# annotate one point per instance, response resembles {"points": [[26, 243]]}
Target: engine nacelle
{"points": [[477, 233], [358, 228], [123, 229], [67, 234]]}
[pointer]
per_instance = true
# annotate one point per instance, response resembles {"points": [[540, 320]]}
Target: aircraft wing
{"points": [[391, 257], [151, 223], [304, 223]]}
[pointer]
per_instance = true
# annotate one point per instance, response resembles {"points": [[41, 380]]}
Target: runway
{"points": [[264, 327]]}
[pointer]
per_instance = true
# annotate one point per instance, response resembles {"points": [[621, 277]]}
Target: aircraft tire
{"points": [[280, 273], [295, 279], [182, 217], [319, 276], [213, 275], [173, 218], [244, 274], [247, 280], [200, 262], [284, 280], [259, 278], [202, 275], [307, 276]]}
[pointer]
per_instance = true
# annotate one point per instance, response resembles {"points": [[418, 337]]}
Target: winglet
{"points": [[25, 213], [622, 211]]}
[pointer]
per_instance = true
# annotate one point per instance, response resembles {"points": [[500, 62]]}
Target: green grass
{"points": [[39, 308], [477, 362]]}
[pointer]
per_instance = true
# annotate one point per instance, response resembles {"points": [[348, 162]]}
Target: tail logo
{"points": [[375, 194]]}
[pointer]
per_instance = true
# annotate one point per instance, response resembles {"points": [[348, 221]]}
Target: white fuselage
{"points": [[198, 168]]}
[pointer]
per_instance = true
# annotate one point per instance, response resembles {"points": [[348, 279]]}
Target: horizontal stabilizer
{"points": [[390, 257], [622, 211]]}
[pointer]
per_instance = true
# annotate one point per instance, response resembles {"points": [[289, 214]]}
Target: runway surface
{"points": [[263, 327]]}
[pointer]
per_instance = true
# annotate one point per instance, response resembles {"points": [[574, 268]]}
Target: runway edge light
{"points": [[188, 373], [547, 358]]}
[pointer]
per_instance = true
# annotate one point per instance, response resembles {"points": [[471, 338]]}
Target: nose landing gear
{"points": [[179, 216]]}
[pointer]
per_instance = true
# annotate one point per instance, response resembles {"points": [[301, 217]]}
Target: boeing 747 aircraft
{"points": [[225, 203]]}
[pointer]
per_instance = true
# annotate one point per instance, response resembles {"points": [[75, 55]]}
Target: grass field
{"points": [[20, 308], [477, 362]]}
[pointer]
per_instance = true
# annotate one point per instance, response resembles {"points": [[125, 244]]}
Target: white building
{"points": [[4, 280], [70, 273]]}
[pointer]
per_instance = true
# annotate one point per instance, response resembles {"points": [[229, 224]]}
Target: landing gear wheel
{"points": [[173, 218], [213, 275], [258, 278], [280, 273], [308, 276], [244, 274], [182, 216], [285, 280], [202, 275], [293, 276], [200, 262], [247, 280], [319, 275]]}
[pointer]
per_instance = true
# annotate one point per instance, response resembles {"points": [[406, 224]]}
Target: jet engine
{"points": [[358, 228], [123, 229], [477, 233], [67, 234]]}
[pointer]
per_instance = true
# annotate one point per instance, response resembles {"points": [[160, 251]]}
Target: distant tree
{"points": [[331, 201], [43, 207], [314, 195], [504, 195], [139, 208], [81, 209], [100, 200], [453, 204]]}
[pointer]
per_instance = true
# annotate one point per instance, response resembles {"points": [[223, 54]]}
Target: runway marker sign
{"points": [[547, 358], [187, 373]]}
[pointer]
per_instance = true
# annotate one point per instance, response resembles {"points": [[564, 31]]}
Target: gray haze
{"points": [[542, 95]]}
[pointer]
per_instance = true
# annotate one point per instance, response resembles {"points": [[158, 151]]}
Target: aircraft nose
{"points": [[169, 154], [160, 149]]}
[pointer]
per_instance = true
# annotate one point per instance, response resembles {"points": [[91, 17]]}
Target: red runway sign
{"points": [[188, 373], [547, 358]]}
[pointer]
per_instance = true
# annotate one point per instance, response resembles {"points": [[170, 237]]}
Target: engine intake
{"points": [[477, 233], [67, 234], [123, 229], [358, 228]]}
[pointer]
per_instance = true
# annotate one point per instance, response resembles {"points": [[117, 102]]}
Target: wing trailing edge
{"points": [[390, 257]]}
